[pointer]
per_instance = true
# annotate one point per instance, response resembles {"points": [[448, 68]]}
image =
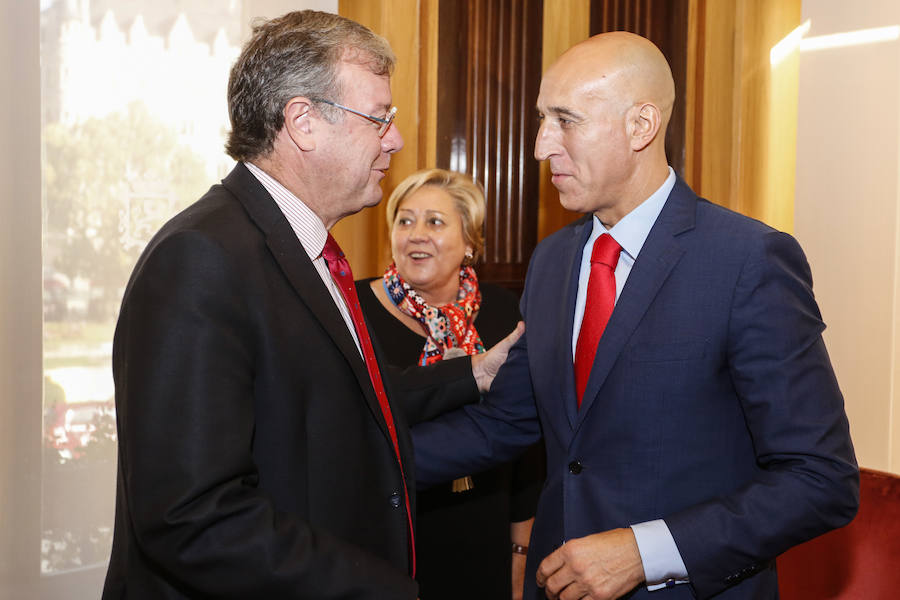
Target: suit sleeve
{"points": [[807, 480], [480, 436], [428, 392], [186, 403]]}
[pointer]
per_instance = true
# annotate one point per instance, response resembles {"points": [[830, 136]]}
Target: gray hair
{"points": [[296, 54]]}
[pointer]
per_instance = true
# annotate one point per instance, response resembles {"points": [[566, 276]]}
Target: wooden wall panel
{"points": [[566, 22], [741, 146], [405, 24], [712, 141], [488, 62], [768, 113]]}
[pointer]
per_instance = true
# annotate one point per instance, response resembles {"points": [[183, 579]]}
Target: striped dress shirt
{"points": [[312, 234]]}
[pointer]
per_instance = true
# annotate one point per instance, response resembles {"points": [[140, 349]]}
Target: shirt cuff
{"points": [[663, 565]]}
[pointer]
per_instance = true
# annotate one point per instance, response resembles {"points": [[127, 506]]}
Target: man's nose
{"points": [[543, 144], [392, 140]]}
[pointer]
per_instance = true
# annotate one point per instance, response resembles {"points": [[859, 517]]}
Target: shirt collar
{"points": [[307, 226], [632, 230]]}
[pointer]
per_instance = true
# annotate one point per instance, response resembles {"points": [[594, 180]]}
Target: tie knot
{"points": [[606, 251], [331, 252]]}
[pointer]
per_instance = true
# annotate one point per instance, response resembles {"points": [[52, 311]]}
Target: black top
{"points": [[462, 539]]}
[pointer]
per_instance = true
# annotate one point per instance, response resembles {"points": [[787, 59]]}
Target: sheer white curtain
{"points": [[113, 118]]}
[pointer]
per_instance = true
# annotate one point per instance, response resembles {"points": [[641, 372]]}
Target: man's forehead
{"points": [[551, 90], [359, 82], [563, 96], [579, 87]]}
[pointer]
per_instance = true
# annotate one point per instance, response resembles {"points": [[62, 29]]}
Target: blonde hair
{"points": [[467, 196]]}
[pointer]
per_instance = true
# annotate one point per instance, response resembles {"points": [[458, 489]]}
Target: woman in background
{"points": [[471, 534]]}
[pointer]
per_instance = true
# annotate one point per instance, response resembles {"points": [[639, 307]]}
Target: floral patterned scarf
{"points": [[450, 328]]}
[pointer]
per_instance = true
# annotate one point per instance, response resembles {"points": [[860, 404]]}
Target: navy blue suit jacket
{"points": [[712, 403]]}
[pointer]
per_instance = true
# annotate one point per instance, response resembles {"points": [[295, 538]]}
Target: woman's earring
{"points": [[469, 256]]}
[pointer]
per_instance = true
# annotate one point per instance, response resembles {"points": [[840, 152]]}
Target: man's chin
{"points": [[571, 202], [369, 196], [374, 196], [368, 201]]}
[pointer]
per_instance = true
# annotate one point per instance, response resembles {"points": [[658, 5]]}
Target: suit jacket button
{"points": [[575, 467], [395, 499]]}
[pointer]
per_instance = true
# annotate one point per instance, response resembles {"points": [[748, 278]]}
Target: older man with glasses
{"points": [[262, 453]]}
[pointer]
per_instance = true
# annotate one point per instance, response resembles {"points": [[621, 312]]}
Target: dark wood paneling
{"points": [[489, 60], [665, 23]]}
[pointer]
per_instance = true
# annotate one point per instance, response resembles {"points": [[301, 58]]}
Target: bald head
{"points": [[605, 105], [620, 67]]}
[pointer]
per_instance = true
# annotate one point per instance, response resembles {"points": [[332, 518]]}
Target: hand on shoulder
{"points": [[485, 366]]}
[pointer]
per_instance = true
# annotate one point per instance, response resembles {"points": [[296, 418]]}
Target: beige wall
{"points": [[741, 119], [847, 216], [20, 299]]}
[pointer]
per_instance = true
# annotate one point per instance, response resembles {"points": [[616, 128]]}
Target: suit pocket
{"points": [[669, 352]]}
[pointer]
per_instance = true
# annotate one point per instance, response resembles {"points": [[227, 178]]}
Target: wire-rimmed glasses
{"points": [[384, 123]]}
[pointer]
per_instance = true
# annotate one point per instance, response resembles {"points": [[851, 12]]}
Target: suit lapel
{"points": [[565, 367], [659, 255], [290, 256]]}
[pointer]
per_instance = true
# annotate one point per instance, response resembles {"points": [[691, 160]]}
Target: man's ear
{"points": [[644, 122], [298, 123]]}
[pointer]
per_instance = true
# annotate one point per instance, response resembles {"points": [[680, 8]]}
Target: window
{"points": [[116, 119], [133, 123]]}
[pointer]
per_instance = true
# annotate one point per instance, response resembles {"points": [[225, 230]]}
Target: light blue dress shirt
{"points": [[663, 564]]}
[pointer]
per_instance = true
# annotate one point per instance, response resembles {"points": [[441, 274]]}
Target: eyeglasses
{"points": [[383, 123]]}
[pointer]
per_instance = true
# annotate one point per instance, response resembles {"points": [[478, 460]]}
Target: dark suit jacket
{"points": [[254, 461], [711, 404]]}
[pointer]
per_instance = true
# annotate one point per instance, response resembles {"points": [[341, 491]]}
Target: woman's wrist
{"points": [[519, 549]]}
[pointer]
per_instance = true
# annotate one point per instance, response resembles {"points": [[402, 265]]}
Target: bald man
{"points": [[693, 424]]}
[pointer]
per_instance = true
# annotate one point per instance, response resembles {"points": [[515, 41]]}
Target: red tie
{"points": [[599, 303], [340, 271]]}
